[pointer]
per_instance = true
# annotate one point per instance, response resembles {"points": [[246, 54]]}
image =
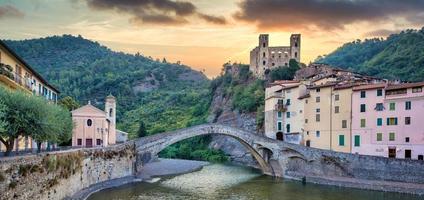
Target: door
{"points": [[407, 153], [280, 136], [89, 142], [392, 152], [308, 143]]}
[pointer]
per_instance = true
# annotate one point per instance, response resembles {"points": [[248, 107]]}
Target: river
{"points": [[237, 183]]}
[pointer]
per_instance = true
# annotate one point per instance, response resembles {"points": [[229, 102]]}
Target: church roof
{"points": [[88, 110]]}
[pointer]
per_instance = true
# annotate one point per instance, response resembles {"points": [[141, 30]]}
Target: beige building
{"points": [[263, 58], [95, 127], [16, 74]]}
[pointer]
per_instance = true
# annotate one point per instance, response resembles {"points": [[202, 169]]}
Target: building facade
{"points": [[387, 120], [94, 127], [264, 58], [16, 74]]}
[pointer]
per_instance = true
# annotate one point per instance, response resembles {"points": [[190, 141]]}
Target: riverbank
{"points": [[161, 167]]}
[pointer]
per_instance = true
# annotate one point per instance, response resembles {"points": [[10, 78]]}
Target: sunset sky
{"points": [[204, 34]]}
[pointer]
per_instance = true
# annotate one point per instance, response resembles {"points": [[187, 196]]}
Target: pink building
{"points": [[387, 120], [94, 127]]}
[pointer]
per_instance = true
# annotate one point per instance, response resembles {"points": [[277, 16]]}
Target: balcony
{"points": [[281, 107], [14, 80]]}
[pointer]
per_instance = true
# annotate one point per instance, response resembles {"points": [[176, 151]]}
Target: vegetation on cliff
{"points": [[399, 56]]}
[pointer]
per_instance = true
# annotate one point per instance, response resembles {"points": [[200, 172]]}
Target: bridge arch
{"points": [[148, 147]]}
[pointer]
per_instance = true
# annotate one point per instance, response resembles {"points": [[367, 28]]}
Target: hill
{"points": [[166, 96], [399, 56]]}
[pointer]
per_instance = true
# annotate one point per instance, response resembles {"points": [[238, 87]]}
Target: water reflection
{"points": [[237, 183]]}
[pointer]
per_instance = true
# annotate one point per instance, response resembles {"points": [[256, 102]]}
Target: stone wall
{"points": [[61, 174]]}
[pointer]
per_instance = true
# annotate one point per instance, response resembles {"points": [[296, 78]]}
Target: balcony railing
{"points": [[281, 107], [6, 70]]}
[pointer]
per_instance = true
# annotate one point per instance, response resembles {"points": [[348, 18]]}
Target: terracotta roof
{"points": [[36, 74], [329, 84], [345, 86], [404, 85], [290, 86], [285, 81], [369, 86]]}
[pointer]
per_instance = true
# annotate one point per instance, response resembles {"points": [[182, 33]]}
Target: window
{"points": [[279, 126], [110, 112], [317, 133], [362, 107], [308, 143], [318, 110], [379, 121], [306, 101], [379, 92], [279, 114], [273, 64], [79, 142], [288, 128], [336, 97], [263, 44], [318, 99], [344, 123], [392, 121], [363, 123], [341, 140], [363, 94], [264, 62], [336, 109], [295, 54], [357, 141], [420, 157], [379, 106], [391, 136], [407, 120], [98, 142], [392, 106], [379, 137], [317, 118], [306, 121], [407, 139], [264, 55], [89, 122], [408, 105], [318, 90], [288, 114], [288, 102], [417, 89]]}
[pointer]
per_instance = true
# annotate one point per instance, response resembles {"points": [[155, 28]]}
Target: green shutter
{"points": [[357, 140], [379, 137], [341, 140]]}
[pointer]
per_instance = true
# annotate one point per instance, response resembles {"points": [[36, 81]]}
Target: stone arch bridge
{"points": [[282, 159]]}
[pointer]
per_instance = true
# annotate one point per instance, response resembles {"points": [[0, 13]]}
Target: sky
{"points": [[205, 34]]}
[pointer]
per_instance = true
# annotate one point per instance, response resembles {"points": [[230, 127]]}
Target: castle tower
{"points": [[295, 46], [110, 109]]}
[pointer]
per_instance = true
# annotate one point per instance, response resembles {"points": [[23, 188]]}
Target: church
{"points": [[94, 127]]}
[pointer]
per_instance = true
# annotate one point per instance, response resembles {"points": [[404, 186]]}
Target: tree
{"points": [[68, 103], [24, 115], [142, 130], [285, 73]]}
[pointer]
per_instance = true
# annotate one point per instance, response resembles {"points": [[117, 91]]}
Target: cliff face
{"points": [[223, 112]]}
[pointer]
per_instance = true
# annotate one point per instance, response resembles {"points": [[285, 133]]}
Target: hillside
{"points": [[399, 56], [162, 94]]}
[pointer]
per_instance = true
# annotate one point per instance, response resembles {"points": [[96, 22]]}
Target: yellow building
{"points": [[16, 74]]}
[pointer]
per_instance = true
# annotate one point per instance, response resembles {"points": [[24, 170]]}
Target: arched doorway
{"points": [[280, 136]]}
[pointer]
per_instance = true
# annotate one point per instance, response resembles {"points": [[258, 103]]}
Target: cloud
{"points": [[8, 11], [164, 12], [322, 14]]}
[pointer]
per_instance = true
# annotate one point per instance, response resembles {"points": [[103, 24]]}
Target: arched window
{"points": [[89, 122], [264, 62], [295, 54], [110, 112], [263, 44], [263, 54]]}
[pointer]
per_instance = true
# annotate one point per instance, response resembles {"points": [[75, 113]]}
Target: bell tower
{"points": [[110, 109]]}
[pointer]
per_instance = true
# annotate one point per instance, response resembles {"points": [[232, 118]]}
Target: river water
{"points": [[237, 183]]}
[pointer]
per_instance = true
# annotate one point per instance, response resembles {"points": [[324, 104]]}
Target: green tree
{"points": [[285, 73], [68, 103], [142, 130]]}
